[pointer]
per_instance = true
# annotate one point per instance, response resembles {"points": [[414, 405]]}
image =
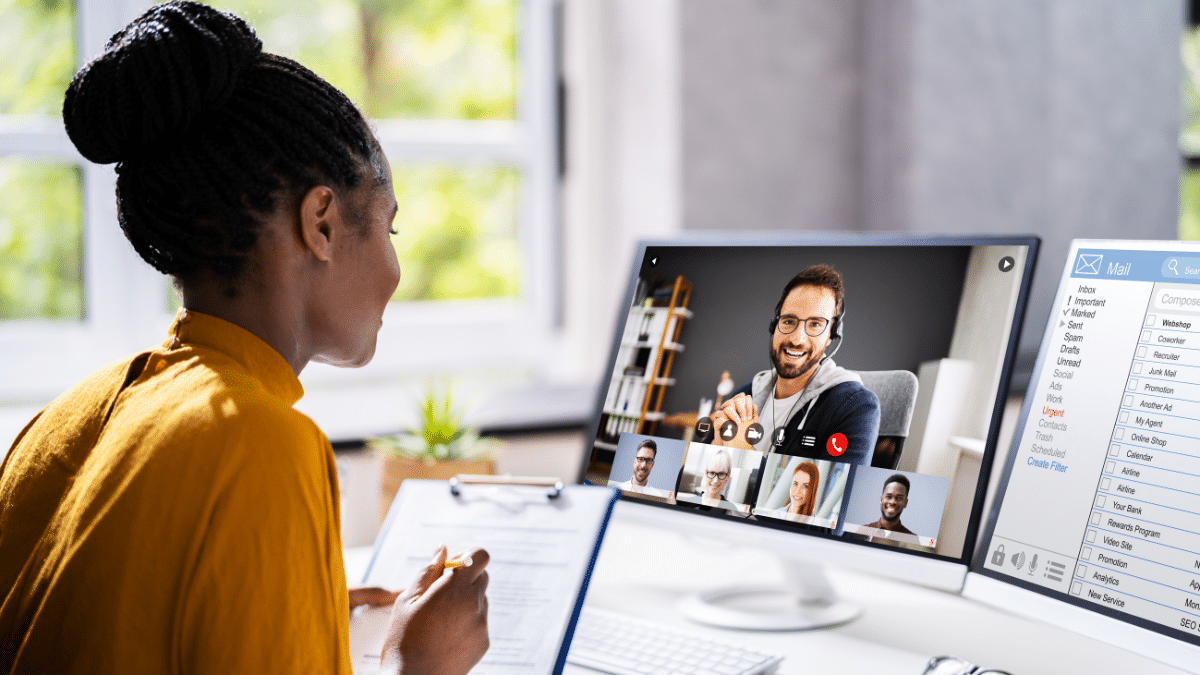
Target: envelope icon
{"points": [[1088, 263]]}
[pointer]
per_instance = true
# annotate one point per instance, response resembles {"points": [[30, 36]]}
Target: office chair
{"points": [[897, 392]]}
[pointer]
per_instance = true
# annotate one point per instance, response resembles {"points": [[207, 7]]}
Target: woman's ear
{"points": [[318, 213]]}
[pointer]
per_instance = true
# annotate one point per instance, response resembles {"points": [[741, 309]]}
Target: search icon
{"points": [[1180, 268]]}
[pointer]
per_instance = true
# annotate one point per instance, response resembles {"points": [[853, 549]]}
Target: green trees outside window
{"points": [[458, 232], [41, 234], [41, 229], [37, 55], [414, 59], [422, 59], [1189, 136], [398, 59]]}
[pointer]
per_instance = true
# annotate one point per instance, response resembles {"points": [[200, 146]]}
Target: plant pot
{"points": [[397, 468]]}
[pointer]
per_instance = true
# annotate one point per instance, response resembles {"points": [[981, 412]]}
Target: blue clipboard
{"points": [[543, 539]]}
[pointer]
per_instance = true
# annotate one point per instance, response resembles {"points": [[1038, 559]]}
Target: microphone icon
{"points": [[1033, 564]]}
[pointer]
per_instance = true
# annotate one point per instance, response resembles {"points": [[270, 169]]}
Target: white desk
{"points": [[644, 571]]}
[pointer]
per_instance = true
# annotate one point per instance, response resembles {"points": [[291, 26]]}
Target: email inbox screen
{"points": [[1103, 502]]}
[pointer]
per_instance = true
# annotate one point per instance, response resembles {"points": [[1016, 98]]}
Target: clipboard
{"points": [[543, 539]]}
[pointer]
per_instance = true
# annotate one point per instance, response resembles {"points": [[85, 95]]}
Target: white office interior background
{"points": [[534, 142]]}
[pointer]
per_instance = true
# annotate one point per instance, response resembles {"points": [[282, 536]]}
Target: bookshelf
{"points": [[642, 372]]}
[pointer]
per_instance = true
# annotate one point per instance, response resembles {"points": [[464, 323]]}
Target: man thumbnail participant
{"points": [[807, 405], [643, 464], [892, 504]]}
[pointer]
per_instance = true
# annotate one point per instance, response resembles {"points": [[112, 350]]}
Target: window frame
{"points": [[125, 306]]}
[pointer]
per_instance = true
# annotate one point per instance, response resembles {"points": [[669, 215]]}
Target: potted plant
{"points": [[439, 447]]}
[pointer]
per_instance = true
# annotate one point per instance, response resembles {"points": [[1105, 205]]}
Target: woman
{"points": [[802, 495], [718, 469], [173, 512]]}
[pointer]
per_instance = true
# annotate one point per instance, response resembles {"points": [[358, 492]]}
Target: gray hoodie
{"points": [[829, 374], [852, 410]]}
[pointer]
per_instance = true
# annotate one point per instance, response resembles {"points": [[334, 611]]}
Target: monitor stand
{"points": [[807, 601]]}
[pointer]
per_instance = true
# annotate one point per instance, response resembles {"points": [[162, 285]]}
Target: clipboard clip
{"points": [[463, 479]]}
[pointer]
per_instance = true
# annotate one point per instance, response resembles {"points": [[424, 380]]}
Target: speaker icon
{"points": [[1018, 559]]}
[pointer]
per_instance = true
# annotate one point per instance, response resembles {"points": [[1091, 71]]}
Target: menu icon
{"points": [[1054, 570]]}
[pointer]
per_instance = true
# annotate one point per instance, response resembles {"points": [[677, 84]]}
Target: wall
{"points": [[771, 106], [974, 116]]}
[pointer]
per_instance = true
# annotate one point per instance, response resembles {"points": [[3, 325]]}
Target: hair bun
{"points": [[171, 66]]}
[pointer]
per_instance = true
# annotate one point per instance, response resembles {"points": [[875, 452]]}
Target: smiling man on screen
{"points": [[806, 404], [643, 464]]}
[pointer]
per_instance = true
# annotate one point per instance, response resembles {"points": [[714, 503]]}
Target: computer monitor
{"points": [[835, 400], [1096, 526]]}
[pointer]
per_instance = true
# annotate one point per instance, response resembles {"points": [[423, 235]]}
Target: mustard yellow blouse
{"points": [[174, 514]]}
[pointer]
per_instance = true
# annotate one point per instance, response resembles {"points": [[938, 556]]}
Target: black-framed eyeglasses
{"points": [[644, 460], [952, 665], [814, 326], [714, 475]]}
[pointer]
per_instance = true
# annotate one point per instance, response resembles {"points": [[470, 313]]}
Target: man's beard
{"points": [[791, 371]]}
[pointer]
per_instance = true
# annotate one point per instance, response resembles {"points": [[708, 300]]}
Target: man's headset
{"points": [[835, 330]]}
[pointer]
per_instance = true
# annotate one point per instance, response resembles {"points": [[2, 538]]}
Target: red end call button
{"points": [[836, 444]]}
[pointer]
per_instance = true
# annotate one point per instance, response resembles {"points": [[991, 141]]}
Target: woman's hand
{"points": [[439, 624], [373, 596]]}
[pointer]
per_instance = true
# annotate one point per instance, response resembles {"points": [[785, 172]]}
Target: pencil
{"points": [[458, 562]]}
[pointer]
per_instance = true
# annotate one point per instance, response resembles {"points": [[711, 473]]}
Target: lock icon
{"points": [[998, 556]]}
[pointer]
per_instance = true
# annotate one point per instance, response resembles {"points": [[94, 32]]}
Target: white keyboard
{"points": [[614, 643]]}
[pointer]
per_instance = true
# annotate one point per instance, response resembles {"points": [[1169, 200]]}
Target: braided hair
{"points": [[208, 132]]}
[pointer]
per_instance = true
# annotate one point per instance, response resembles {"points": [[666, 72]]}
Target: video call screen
{"points": [[1100, 505], [741, 387]]}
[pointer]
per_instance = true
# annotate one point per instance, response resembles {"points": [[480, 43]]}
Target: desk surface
{"points": [[644, 572]]}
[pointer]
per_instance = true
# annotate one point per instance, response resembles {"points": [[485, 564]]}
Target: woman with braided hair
{"points": [[173, 512]]}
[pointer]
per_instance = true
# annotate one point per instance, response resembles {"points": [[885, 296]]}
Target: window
{"points": [[462, 97], [1189, 136]]}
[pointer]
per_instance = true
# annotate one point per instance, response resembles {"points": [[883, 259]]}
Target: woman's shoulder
{"points": [[210, 400]]}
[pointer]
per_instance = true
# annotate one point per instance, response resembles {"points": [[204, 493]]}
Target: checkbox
{"points": [[1128, 402], [1141, 352], [1137, 368], [1105, 483], [1086, 554], [1090, 537], [1150, 320], [1110, 467], [1119, 434], [1145, 336], [1114, 450], [1132, 384], [1076, 588], [1081, 571], [1095, 519], [1123, 418], [1101, 502]]}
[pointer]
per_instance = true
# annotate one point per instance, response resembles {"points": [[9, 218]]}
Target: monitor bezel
{"points": [[934, 569], [1030, 599]]}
